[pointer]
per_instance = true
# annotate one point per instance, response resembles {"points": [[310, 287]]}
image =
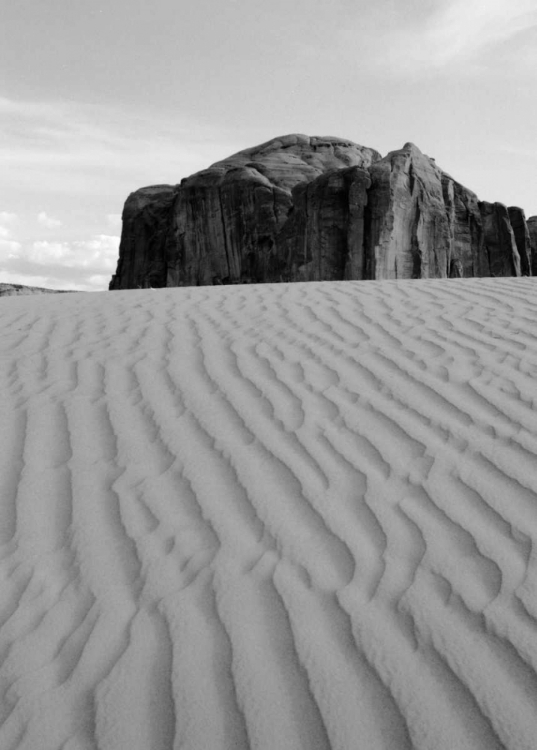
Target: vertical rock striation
{"points": [[521, 233], [500, 243], [301, 208], [407, 233], [223, 222], [420, 222], [322, 240], [466, 256], [147, 220], [532, 229]]}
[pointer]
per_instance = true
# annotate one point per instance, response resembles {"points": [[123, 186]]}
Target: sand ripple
{"points": [[270, 517]]}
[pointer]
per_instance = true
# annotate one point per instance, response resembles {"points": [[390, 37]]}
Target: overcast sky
{"points": [[99, 99]]}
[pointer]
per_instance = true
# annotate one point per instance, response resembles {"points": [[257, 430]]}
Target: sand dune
{"points": [[270, 517]]}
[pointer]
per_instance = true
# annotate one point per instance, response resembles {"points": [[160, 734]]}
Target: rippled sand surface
{"points": [[270, 517]]}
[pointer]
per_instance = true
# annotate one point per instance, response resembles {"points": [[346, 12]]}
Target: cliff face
{"points": [[221, 224], [143, 248], [323, 237], [421, 222], [302, 208], [224, 224], [521, 234], [532, 229], [500, 243], [466, 256]]}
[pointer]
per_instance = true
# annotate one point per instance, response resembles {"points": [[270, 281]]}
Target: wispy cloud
{"points": [[68, 147], [464, 28], [447, 34], [516, 150]]}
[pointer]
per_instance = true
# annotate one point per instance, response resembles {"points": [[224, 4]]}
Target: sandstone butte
{"points": [[301, 208]]}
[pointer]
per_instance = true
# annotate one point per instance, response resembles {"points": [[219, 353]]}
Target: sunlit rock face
{"points": [[407, 217], [421, 223], [301, 208], [521, 233], [466, 257]]}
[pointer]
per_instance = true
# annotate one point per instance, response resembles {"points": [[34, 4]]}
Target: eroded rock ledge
{"points": [[301, 208]]}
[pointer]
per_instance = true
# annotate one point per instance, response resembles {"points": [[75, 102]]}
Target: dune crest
{"points": [[296, 516]]}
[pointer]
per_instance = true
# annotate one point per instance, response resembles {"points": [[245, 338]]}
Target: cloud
{"points": [[7, 220], [71, 148], [47, 221], [17, 269], [509, 148], [463, 28], [9, 248], [85, 265], [86, 159], [441, 36], [98, 254]]}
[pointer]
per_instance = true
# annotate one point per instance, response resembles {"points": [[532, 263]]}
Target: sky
{"points": [[100, 99]]}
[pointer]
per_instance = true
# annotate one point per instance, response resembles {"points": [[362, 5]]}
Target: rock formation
{"points": [[301, 208], [521, 234], [421, 222], [466, 257], [17, 290], [323, 237], [532, 229], [500, 244], [146, 227], [221, 224]]}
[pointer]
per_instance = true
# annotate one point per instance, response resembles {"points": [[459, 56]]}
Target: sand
{"points": [[270, 517]]}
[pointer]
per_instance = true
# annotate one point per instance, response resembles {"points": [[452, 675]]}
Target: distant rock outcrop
{"points": [[17, 290], [316, 208]]}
